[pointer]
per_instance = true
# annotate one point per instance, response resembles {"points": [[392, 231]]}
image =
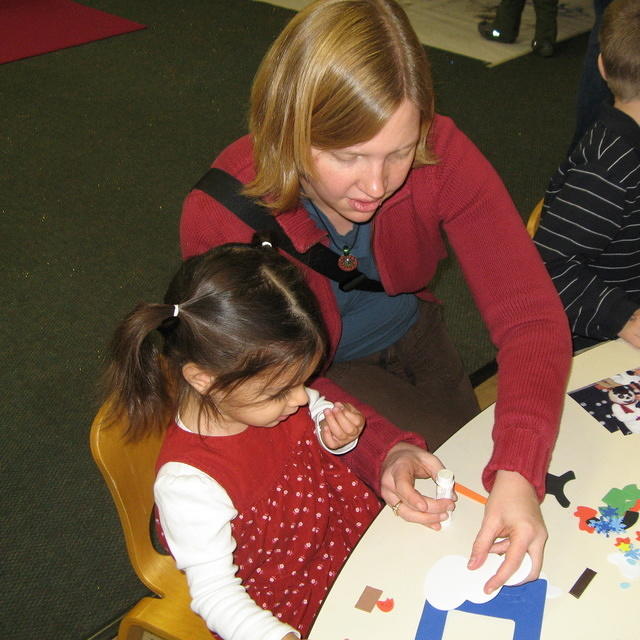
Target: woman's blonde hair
{"points": [[332, 79]]}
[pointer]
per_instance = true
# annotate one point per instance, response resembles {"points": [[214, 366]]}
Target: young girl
{"points": [[252, 504]]}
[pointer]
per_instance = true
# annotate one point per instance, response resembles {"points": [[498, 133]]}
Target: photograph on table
{"points": [[614, 401]]}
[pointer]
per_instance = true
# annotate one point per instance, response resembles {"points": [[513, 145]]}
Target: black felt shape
{"points": [[554, 486], [629, 519]]}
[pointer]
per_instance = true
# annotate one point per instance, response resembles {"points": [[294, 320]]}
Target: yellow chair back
{"points": [[534, 218], [128, 469]]}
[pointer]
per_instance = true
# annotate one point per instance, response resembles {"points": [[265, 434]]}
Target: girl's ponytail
{"points": [[138, 382], [236, 312]]}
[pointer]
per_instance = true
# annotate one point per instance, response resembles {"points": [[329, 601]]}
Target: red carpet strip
{"points": [[33, 27]]}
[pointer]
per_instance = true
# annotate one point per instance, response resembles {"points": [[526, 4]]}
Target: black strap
{"points": [[227, 190]]}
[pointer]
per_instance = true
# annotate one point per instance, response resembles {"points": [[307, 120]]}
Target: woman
{"points": [[345, 150]]}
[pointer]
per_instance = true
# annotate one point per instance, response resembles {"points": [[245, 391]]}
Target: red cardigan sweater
{"points": [[462, 196]]}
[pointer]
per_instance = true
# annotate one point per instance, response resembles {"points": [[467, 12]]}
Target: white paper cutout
{"points": [[553, 591], [449, 583], [629, 570]]}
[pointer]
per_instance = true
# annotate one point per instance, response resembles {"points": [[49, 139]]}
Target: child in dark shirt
{"points": [[589, 235]]}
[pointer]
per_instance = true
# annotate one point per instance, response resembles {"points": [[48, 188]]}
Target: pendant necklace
{"points": [[347, 261]]}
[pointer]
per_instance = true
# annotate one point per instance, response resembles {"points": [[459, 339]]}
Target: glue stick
{"points": [[444, 489]]}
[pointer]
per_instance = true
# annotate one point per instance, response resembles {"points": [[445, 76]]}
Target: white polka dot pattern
{"points": [[290, 554]]}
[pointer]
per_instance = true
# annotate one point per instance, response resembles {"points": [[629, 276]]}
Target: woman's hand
{"points": [[341, 425], [403, 464], [513, 513]]}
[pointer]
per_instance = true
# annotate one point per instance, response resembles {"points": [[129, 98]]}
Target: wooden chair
{"points": [[534, 218], [128, 469]]}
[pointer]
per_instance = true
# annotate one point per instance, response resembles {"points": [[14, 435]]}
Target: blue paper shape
{"points": [[523, 604]]}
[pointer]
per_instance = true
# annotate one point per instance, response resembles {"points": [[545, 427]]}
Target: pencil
{"points": [[465, 491]]}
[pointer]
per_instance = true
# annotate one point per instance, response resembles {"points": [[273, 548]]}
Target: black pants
{"points": [[419, 383], [509, 12]]}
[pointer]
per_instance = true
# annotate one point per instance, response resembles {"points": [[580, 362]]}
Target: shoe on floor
{"points": [[489, 32], [543, 48]]}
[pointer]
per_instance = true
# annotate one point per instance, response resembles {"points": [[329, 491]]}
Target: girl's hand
{"points": [[512, 512], [341, 425], [404, 463]]}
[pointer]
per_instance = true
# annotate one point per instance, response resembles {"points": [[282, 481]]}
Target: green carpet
{"points": [[100, 143]]}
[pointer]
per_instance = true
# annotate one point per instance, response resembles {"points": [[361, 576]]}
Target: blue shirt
{"points": [[371, 320]]}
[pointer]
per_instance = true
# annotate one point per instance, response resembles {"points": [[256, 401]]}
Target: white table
{"points": [[394, 556]]}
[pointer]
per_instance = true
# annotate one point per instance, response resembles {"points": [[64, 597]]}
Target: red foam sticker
{"points": [[385, 605], [584, 514]]}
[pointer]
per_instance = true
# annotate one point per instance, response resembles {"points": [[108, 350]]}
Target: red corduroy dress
{"points": [[300, 510]]}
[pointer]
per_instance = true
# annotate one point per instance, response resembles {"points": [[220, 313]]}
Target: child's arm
{"points": [[380, 436], [196, 513], [337, 426], [578, 224], [631, 330]]}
